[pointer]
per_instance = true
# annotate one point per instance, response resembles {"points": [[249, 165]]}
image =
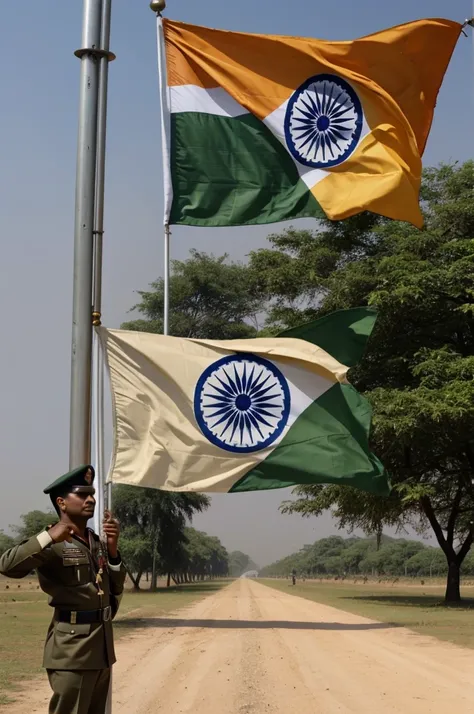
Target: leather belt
{"points": [[84, 617]]}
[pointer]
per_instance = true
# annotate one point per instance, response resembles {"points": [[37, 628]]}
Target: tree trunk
{"points": [[453, 585], [153, 574], [168, 582], [135, 580]]}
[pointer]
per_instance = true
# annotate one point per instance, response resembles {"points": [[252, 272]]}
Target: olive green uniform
{"points": [[78, 655]]}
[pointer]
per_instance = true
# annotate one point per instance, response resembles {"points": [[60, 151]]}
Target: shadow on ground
{"points": [[164, 622], [411, 601], [205, 587]]}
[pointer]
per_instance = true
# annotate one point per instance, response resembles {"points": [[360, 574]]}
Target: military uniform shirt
{"points": [[67, 573]]}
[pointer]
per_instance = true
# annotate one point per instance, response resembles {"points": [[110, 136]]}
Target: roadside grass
{"points": [[25, 616], [24, 619], [414, 606]]}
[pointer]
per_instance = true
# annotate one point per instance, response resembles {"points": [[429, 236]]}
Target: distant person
{"points": [[293, 577], [83, 577]]}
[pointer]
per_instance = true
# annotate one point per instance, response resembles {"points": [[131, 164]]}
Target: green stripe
{"points": [[328, 443], [343, 334], [233, 171]]}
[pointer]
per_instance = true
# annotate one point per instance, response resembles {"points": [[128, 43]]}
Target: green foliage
{"points": [[195, 556], [204, 556], [336, 556], [418, 370], [33, 523], [155, 536], [431, 562], [6, 542], [210, 298], [136, 550], [240, 563]]}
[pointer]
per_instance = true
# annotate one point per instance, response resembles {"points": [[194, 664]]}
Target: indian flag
{"points": [[262, 128], [242, 415]]}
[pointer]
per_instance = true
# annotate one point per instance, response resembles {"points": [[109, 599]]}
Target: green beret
{"points": [[75, 479]]}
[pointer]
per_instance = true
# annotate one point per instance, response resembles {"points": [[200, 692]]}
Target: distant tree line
{"points": [[339, 557], [240, 563]]}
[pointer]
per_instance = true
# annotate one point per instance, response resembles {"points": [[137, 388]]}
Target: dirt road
{"points": [[252, 650]]}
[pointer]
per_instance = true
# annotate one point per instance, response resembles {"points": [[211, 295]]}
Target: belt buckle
{"points": [[73, 617], [107, 614]]}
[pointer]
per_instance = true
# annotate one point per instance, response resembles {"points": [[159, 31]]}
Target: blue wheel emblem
{"points": [[242, 403], [323, 121]]}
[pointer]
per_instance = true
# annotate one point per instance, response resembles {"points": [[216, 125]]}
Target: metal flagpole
{"points": [[103, 495], [81, 358], [98, 379], [166, 306], [158, 6], [98, 401]]}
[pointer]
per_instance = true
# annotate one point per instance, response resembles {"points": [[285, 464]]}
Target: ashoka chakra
{"points": [[242, 403], [323, 121]]}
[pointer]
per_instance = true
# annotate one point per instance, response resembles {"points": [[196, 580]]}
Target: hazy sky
{"points": [[38, 120]]}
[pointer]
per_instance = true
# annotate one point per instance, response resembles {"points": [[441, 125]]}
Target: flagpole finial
{"points": [[158, 6]]}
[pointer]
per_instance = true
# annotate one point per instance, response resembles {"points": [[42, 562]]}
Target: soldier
{"points": [[84, 579]]}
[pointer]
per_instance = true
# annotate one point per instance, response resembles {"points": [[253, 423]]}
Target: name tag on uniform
{"points": [[72, 555], [71, 560]]}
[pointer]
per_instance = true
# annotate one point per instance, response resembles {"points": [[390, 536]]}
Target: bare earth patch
{"points": [[252, 649]]}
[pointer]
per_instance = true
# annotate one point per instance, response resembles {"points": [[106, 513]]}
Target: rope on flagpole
{"points": [[98, 426], [158, 6], [166, 304], [104, 492]]}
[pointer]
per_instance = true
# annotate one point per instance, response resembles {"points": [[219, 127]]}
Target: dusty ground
{"points": [[251, 650]]}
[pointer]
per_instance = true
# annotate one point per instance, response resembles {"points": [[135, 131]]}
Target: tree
{"points": [[210, 298], [205, 556], [418, 371], [428, 562], [136, 550], [192, 556], [6, 542], [352, 557], [218, 558], [313, 560], [240, 563], [157, 521], [33, 523], [388, 557], [468, 565]]}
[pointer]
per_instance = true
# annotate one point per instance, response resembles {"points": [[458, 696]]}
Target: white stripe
{"points": [[305, 388], [276, 123], [165, 123], [190, 98]]}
